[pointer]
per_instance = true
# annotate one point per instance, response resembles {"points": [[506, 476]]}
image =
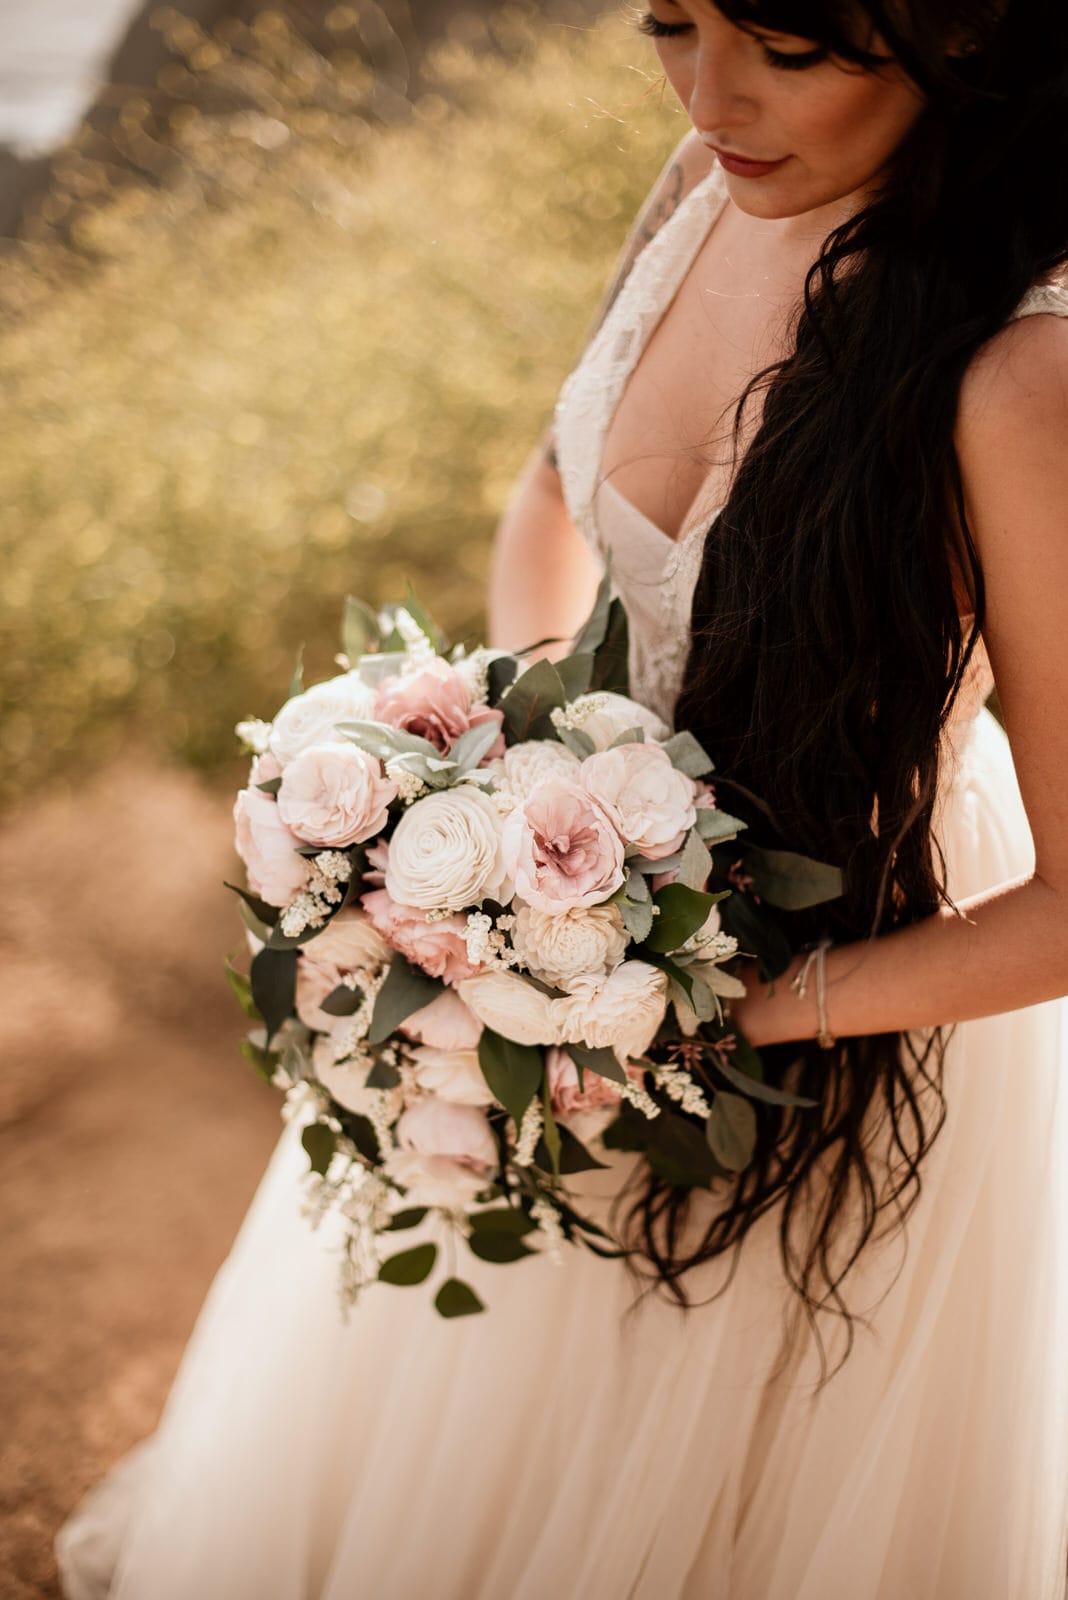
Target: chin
{"points": [[775, 200]]}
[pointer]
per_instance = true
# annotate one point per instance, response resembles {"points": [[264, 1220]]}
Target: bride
{"points": [[821, 429]]}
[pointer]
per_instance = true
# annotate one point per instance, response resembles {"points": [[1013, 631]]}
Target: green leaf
{"points": [[502, 672], [410, 1217], [695, 863], [758, 932], [550, 1136], [731, 1131], [680, 975], [790, 881], [409, 1267], [383, 1075], [271, 786], [717, 827], [512, 1071], [296, 682], [405, 990], [472, 746], [498, 1247], [591, 635], [688, 755], [264, 1061], [574, 1156], [360, 633], [604, 1062], [637, 918], [502, 1219], [527, 704], [580, 744], [342, 1001], [274, 985], [756, 1089], [575, 673], [265, 914], [242, 987], [422, 619], [678, 1151], [320, 1142], [457, 1299], [682, 912], [385, 742], [610, 667]]}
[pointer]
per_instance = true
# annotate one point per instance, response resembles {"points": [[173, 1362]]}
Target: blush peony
{"points": [[335, 795], [648, 799], [268, 848], [437, 947], [436, 705], [562, 848]]}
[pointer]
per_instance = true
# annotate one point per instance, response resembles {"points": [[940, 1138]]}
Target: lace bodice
{"points": [[655, 575]]}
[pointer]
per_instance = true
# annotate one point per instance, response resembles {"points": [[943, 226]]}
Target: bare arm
{"points": [[544, 575], [1010, 946]]}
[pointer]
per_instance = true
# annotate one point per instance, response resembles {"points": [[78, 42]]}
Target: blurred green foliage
{"points": [[311, 363]]}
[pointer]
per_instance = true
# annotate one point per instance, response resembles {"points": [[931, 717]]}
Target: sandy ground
{"points": [[132, 1134]]}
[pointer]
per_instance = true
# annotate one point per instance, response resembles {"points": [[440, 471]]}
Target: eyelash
{"points": [[655, 29]]}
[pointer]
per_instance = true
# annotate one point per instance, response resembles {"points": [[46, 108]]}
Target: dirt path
{"points": [[132, 1134]]}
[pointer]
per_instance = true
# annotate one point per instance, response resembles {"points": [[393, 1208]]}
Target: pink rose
{"points": [[567, 1097], [562, 848], [275, 872], [436, 705], [437, 947], [445, 1024], [648, 799], [334, 795]]}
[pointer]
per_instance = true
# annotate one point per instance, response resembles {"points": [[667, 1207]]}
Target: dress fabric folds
{"points": [[565, 1442]]}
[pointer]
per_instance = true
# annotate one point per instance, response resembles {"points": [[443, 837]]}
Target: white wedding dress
{"points": [[555, 1446]]}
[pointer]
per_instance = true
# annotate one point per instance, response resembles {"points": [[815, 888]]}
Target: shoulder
{"points": [[1016, 389], [684, 169]]}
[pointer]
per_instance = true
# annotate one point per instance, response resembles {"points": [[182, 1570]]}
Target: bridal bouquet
{"points": [[484, 901]]}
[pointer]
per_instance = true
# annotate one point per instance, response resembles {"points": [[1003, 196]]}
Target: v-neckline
{"points": [[692, 521]]}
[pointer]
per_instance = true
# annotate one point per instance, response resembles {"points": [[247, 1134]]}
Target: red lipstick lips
{"points": [[743, 168]]}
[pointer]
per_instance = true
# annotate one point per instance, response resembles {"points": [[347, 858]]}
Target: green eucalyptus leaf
{"points": [[242, 987], [628, 736], [756, 1089], [405, 990], [695, 863], [266, 915], [498, 1247], [342, 1001], [731, 1131], [610, 667], [383, 1075], [471, 747], [320, 1143], [604, 1062], [591, 635], [527, 704], [688, 755], [682, 912], [264, 1061], [637, 918], [360, 632], [457, 1299], [502, 1219], [575, 673], [271, 786], [717, 827], [791, 881], [550, 1136], [679, 1153], [580, 744], [758, 932], [501, 673], [409, 1267], [513, 1072], [574, 1156], [410, 1217]]}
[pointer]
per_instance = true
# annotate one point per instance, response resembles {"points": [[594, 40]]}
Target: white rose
{"points": [[334, 794], [650, 801], [313, 717], [350, 942], [524, 767], [620, 1013], [555, 946], [510, 1006], [445, 852], [455, 1075], [608, 715]]}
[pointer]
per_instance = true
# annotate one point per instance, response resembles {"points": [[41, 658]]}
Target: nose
{"points": [[720, 100]]}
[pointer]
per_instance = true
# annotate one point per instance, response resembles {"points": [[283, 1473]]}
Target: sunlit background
{"points": [[286, 297]]}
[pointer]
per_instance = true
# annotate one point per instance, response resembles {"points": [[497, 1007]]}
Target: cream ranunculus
{"points": [[604, 716], [556, 946], [621, 1012], [650, 801], [445, 852], [510, 1006], [313, 717], [334, 794], [455, 1075]]}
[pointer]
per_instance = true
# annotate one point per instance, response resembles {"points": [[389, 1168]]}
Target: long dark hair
{"points": [[827, 645]]}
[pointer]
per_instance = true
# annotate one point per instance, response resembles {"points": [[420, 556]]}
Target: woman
{"points": [[828, 576]]}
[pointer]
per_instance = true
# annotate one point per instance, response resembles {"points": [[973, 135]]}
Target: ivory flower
{"points": [[562, 848], [334, 794], [608, 715], [524, 767], [649, 800], [510, 1006], [312, 717], [445, 852], [555, 946], [455, 1075], [350, 942], [621, 1012]]}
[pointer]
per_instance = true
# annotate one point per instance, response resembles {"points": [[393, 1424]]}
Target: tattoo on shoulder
{"points": [[650, 222]]}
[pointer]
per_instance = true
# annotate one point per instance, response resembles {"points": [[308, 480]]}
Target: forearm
{"points": [[1008, 948], [544, 577]]}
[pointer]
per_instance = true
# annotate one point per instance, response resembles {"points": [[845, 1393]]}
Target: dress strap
{"points": [[1044, 297]]}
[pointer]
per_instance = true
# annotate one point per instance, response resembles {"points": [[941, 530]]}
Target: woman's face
{"points": [[813, 130]]}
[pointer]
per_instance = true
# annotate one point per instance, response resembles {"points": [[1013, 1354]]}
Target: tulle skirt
{"points": [[567, 1443]]}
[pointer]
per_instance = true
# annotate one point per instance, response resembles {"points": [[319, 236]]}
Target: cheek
{"points": [[857, 126]]}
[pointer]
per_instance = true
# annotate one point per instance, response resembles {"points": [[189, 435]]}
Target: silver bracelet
{"points": [[817, 956]]}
